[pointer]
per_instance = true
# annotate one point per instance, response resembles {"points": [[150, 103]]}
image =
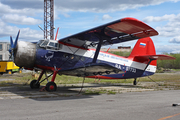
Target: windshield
{"points": [[44, 44], [49, 44], [40, 41]]}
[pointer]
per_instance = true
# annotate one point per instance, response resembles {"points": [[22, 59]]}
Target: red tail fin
{"points": [[143, 47]]}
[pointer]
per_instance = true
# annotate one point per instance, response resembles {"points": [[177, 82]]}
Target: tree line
{"points": [[170, 64]]}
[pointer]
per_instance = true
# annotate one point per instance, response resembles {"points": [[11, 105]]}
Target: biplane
{"points": [[80, 55]]}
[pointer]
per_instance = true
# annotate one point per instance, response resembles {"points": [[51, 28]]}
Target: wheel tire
{"points": [[51, 86], [95, 73], [108, 72], [100, 73], [10, 72], [20, 71], [33, 84]]}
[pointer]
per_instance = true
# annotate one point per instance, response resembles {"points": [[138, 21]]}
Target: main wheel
{"points": [[51, 87], [34, 84]]}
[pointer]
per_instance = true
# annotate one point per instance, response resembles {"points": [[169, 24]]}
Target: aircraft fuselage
{"points": [[70, 60]]}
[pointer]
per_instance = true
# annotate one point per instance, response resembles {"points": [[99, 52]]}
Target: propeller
{"points": [[13, 46]]}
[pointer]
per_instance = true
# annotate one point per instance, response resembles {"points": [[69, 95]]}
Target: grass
{"points": [[98, 92], [167, 80]]}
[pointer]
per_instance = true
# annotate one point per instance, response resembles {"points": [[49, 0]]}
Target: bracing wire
{"points": [[154, 81], [82, 85]]}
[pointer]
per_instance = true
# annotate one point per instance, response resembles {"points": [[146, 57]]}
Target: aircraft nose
{"points": [[25, 54]]}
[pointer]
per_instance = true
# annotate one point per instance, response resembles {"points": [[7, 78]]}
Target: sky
{"points": [[74, 16]]}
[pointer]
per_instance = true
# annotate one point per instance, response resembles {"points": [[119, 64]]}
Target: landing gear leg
{"points": [[51, 86], [35, 83], [135, 82]]}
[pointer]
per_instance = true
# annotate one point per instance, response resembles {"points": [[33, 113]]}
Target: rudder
{"points": [[143, 47]]}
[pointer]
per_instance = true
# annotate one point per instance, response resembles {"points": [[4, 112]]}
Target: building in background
{"points": [[4, 51], [119, 49]]}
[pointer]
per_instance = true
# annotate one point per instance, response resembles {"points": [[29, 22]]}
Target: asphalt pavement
{"points": [[149, 105]]}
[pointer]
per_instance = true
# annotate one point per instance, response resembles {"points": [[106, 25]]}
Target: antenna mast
{"points": [[49, 19]]}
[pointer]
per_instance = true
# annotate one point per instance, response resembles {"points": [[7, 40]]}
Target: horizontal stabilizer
{"points": [[154, 57]]}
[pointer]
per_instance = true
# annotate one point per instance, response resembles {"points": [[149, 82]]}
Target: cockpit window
{"points": [[40, 41], [53, 45], [44, 44], [56, 44]]}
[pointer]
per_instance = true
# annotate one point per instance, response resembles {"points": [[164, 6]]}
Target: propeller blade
{"points": [[15, 43], [10, 56], [13, 46], [11, 41]]}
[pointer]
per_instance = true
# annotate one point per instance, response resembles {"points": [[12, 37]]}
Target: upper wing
{"points": [[122, 30]]}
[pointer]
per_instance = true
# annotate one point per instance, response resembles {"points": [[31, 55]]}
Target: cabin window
{"points": [[51, 44], [66, 55], [54, 46], [98, 61], [77, 57], [82, 58]]}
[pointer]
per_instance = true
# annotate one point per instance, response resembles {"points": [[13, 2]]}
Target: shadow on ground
{"points": [[72, 91]]}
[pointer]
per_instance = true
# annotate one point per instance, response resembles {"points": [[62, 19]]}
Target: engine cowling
{"points": [[25, 54]]}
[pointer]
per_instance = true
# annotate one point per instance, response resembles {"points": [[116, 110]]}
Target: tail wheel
{"points": [[135, 82], [34, 84], [51, 87]]}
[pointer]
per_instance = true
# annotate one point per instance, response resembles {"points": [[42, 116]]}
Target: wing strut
{"points": [[97, 50], [150, 60]]}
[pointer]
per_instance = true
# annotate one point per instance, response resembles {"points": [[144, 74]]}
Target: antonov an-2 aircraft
{"points": [[74, 55]]}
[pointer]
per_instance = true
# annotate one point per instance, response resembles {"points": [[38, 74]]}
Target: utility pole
{"points": [[49, 19]]}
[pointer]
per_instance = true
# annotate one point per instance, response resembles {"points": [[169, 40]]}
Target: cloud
{"points": [[175, 40], [159, 18], [25, 12], [21, 4], [167, 49], [19, 16], [171, 27], [106, 16], [105, 5], [6, 9], [21, 20], [26, 33], [85, 5], [31, 35]]}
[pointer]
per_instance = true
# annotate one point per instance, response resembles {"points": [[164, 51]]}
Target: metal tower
{"points": [[49, 19]]}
